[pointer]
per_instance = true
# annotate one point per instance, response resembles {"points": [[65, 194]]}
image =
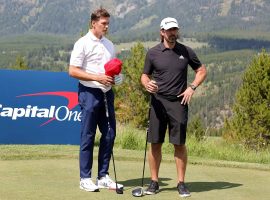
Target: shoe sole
{"points": [[106, 187], [151, 193], [103, 187], [184, 195], [95, 190]]}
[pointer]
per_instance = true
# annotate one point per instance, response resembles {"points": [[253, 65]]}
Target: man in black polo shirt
{"points": [[165, 77]]}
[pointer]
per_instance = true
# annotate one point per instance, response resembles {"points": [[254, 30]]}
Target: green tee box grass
{"points": [[59, 179], [52, 172]]}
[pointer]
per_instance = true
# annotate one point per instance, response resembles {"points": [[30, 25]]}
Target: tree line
{"points": [[250, 122], [246, 115], [214, 97]]}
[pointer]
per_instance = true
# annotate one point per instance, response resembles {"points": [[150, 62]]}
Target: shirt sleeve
{"points": [[77, 54], [194, 61], [148, 69], [113, 51], [110, 47]]}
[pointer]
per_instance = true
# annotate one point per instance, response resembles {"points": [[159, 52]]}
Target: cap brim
{"points": [[169, 27]]}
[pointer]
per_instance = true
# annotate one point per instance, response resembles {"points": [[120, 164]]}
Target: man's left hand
{"points": [[187, 95]]}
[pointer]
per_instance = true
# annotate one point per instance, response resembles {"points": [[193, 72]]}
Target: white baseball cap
{"points": [[168, 23]]}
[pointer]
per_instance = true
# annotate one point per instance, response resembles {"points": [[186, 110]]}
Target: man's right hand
{"points": [[151, 86], [105, 80]]}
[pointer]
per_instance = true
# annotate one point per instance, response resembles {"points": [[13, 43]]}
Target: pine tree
{"points": [[20, 64], [250, 123], [132, 100], [196, 128]]}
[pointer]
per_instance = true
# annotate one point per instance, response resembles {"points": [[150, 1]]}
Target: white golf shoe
{"points": [[107, 182], [88, 185]]}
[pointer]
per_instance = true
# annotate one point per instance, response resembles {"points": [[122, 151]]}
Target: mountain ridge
{"points": [[132, 16]]}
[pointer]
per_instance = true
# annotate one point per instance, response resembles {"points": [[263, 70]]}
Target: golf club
{"points": [[118, 190], [139, 192]]}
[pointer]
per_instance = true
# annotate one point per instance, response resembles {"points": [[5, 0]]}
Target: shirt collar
{"points": [[94, 38], [163, 48]]}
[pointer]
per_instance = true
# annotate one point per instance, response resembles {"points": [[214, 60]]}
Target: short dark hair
{"points": [[97, 14]]}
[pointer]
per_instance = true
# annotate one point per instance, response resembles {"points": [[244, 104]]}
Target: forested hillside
{"points": [[40, 35], [136, 18]]}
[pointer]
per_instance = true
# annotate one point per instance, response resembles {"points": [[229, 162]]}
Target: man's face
{"points": [[170, 35], [101, 26]]}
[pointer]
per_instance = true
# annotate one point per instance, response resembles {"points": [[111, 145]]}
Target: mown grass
{"points": [[59, 179]]}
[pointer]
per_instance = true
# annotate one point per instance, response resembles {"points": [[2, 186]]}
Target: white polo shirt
{"points": [[91, 54]]}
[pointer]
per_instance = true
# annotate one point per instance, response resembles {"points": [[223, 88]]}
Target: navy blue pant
{"points": [[93, 115]]}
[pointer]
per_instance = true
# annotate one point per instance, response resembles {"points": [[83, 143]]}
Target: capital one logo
{"points": [[62, 113]]}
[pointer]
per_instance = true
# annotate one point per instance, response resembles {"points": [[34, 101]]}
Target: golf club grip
{"points": [[106, 106]]}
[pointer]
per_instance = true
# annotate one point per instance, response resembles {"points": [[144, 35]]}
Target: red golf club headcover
{"points": [[113, 67]]}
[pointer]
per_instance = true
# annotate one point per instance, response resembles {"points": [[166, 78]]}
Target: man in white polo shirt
{"points": [[89, 55]]}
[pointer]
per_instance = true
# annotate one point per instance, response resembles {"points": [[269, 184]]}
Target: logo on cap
{"points": [[168, 23]]}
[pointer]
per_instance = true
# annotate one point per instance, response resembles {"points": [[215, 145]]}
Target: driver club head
{"points": [[138, 192], [119, 191]]}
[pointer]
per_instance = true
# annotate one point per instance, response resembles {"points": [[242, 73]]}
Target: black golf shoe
{"points": [[153, 188], [183, 190]]}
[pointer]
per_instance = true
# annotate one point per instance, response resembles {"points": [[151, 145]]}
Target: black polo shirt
{"points": [[168, 67]]}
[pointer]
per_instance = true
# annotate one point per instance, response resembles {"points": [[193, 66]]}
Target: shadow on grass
{"points": [[138, 182], [206, 186]]}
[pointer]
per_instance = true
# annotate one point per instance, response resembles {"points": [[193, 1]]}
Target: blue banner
{"points": [[38, 107]]}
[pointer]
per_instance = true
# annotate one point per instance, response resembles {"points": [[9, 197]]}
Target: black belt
{"points": [[170, 97]]}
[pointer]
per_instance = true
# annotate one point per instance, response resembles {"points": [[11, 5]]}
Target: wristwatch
{"points": [[193, 87]]}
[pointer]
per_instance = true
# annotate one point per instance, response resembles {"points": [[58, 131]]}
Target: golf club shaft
{"points": [[147, 131], [114, 171], [109, 127], [144, 157]]}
